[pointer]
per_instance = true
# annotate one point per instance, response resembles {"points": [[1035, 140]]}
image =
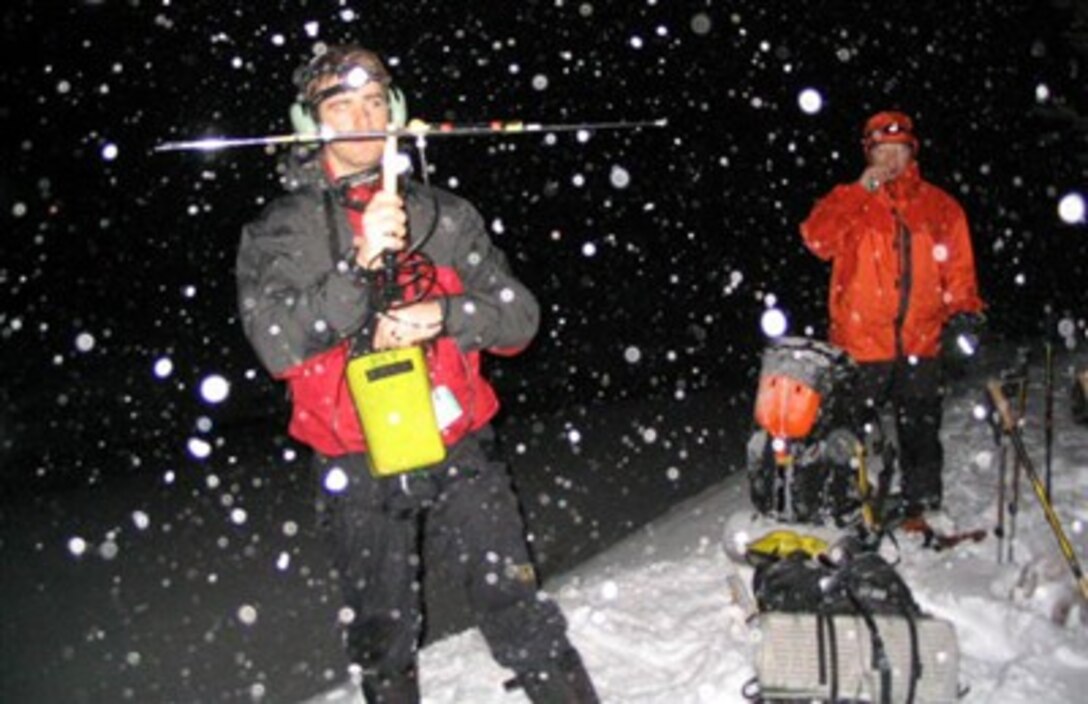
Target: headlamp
{"points": [[892, 128], [888, 131], [356, 77], [349, 77]]}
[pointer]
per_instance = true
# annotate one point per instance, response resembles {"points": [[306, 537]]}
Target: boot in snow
{"points": [[564, 681], [391, 687]]}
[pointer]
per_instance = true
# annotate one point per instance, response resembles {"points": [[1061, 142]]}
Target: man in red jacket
{"points": [[902, 269], [311, 287]]}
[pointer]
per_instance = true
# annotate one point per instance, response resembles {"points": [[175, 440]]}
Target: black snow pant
{"points": [[377, 528], [914, 391]]}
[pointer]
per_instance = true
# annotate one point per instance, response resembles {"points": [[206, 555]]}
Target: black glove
{"points": [[961, 339]]}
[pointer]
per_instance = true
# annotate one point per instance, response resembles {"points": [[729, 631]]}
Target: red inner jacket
{"points": [[323, 414]]}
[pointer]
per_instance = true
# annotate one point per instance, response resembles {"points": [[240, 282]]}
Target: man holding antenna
{"points": [[314, 274]]}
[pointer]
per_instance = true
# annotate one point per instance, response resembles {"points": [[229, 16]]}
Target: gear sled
{"points": [[804, 456]]}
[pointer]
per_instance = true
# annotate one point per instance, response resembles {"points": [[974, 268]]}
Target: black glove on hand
{"points": [[961, 339]]}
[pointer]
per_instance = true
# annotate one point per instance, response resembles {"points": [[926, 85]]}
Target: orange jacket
{"points": [[902, 265]]}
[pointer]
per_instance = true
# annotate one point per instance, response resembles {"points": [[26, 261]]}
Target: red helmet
{"points": [[889, 127]]}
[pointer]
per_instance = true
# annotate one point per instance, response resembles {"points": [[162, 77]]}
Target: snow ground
{"points": [[206, 579], [655, 623], [173, 601]]}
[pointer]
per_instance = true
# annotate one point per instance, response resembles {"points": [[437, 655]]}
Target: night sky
{"points": [[653, 252]]}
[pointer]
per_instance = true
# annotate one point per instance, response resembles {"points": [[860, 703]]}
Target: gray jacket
{"points": [[300, 302], [298, 296]]}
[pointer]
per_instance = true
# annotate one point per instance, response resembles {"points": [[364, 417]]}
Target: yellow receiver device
{"points": [[392, 394]]}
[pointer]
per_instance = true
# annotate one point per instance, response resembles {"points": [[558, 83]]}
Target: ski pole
{"points": [[1016, 377], [1002, 466], [416, 129], [1014, 505], [1002, 472], [1003, 408], [1048, 423]]}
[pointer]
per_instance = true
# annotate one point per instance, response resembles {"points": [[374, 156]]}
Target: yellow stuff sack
{"points": [[392, 395]]}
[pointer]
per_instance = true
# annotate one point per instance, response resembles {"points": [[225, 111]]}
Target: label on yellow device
{"points": [[392, 394]]}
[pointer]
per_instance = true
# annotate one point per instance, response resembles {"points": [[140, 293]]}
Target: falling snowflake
{"points": [[214, 389]]}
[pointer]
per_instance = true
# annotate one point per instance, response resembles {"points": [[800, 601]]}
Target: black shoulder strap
{"points": [[361, 341], [330, 225]]}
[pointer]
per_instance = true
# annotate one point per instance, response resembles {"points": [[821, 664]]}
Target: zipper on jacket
{"points": [[903, 237]]}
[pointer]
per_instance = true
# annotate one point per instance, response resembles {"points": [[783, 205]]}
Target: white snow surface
{"points": [[654, 620]]}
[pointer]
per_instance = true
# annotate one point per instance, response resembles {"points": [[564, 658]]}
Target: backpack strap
{"points": [[361, 340], [821, 650], [910, 608], [880, 653], [915, 657], [329, 206], [833, 648]]}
